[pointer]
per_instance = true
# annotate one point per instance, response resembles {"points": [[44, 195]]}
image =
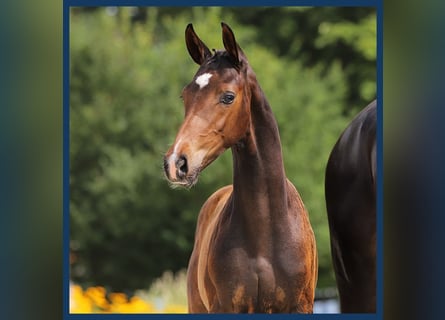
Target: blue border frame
{"points": [[378, 4]]}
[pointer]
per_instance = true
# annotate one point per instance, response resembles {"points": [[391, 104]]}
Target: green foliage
{"points": [[127, 226], [322, 36], [124, 108]]}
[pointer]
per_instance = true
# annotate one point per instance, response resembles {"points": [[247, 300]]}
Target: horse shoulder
{"points": [[306, 236], [295, 203], [211, 209], [200, 291], [207, 217]]}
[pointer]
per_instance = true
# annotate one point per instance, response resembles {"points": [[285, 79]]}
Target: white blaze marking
{"points": [[172, 160], [203, 80], [175, 150]]}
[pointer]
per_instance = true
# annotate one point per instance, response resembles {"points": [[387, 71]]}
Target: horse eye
{"points": [[227, 97]]}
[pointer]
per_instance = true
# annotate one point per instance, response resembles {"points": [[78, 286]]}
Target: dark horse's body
{"points": [[351, 205], [254, 247]]}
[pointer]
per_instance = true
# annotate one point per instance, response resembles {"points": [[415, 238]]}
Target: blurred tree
{"points": [[322, 36], [315, 36], [127, 225]]}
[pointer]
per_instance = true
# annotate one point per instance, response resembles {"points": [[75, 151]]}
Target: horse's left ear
{"points": [[230, 44]]}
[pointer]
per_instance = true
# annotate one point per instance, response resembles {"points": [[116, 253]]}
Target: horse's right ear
{"points": [[197, 49]]}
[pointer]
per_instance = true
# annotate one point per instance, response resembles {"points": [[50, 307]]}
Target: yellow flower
{"points": [[97, 296], [118, 298], [79, 303], [94, 300], [175, 308], [120, 304], [140, 306]]}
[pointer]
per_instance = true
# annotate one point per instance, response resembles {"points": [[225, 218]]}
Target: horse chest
{"points": [[248, 282]]}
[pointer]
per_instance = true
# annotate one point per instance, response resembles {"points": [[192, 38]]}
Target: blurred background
{"points": [[130, 234]]}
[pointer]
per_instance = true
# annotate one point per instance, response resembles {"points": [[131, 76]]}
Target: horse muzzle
{"points": [[178, 172]]}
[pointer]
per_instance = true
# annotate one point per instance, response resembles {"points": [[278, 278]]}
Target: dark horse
{"points": [[254, 247], [351, 204]]}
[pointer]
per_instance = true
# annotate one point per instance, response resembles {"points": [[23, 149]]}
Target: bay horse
{"points": [[350, 190], [254, 249]]}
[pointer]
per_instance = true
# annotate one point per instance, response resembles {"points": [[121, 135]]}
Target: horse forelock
{"points": [[221, 60]]}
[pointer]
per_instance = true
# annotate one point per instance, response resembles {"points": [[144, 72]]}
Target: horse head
{"points": [[217, 108]]}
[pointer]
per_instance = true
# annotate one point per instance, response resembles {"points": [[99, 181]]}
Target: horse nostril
{"points": [[181, 166]]}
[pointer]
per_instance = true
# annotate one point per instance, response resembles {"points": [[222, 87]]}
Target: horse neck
{"points": [[259, 182]]}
